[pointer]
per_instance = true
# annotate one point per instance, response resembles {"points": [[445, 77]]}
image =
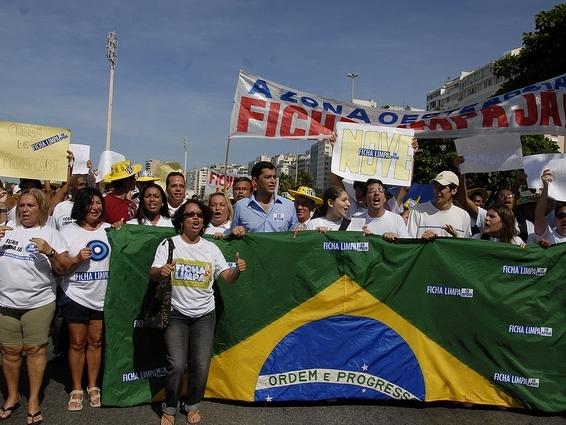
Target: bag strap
{"points": [[345, 223], [171, 248]]}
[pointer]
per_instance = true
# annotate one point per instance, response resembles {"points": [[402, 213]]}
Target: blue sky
{"points": [[178, 62]]}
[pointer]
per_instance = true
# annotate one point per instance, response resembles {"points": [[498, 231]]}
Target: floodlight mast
{"points": [[352, 76], [111, 46]]}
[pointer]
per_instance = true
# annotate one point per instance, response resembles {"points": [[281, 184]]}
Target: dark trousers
{"points": [[187, 340]]}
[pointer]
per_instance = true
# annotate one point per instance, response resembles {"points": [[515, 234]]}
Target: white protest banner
{"points": [[366, 151], [557, 188], [82, 155], [33, 151], [107, 158], [534, 165], [264, 108], [490, 152], [216, 182]]}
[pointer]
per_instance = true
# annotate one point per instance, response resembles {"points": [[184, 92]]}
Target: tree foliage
{"points": [[543, 54]]}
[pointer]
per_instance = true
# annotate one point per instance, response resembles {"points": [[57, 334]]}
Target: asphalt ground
{"points": [[56, 389]]}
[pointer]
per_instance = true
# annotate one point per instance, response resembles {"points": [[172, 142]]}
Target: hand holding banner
{"points": [[366, 151]]}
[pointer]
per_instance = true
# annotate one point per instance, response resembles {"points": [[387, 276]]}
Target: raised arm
{"points": [[462, 194], [540, 210]]}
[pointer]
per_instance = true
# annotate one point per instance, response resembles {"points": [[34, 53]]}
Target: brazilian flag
{"points": [[343, 316]]}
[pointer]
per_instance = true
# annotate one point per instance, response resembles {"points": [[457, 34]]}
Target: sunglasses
{"points": [[192, 214], [561, 215]]}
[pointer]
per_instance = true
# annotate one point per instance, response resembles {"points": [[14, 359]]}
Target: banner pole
{"points": [[226, 165]]}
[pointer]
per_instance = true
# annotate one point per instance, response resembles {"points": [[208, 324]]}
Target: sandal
{"points": [[6, 412], [194, 416], [93, 396], [34, 418], [75, 402], [167, 419]]}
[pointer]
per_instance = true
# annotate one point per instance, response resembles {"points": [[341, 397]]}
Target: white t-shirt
{"points": [[427, 217], [515, 241], [173, 210], [550, 235], [196, 267], [62, 214], [480, 222], [162, 222], [26, 278], [223, 228], [87, 284], [388, 222]]}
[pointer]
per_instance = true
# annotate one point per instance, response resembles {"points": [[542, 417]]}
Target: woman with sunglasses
{"points": [[189, 335], [545, 234]]}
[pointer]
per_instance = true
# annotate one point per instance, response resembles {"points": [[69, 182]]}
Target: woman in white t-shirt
{"points": [[85, 287], [196, 263], [333, 211], [153, 209], [30, 253], [500, 226], [221, 220]]}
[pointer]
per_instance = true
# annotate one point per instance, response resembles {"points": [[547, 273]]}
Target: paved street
{"points": [[229, 413]]}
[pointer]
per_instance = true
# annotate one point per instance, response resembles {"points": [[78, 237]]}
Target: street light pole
{"points": [[352, 76], [186, 147], [111, 45]]}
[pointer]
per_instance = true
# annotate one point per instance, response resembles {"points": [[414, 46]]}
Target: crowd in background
{"points": [[55, 255]]}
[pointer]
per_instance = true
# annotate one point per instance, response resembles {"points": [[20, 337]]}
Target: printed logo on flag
{"points": [[524, 270], [449, 291], [516, 380], [530, 330], [341, 357], [345, 246]]}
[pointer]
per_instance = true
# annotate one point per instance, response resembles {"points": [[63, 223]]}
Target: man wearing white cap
{"points": [[440, 217]]}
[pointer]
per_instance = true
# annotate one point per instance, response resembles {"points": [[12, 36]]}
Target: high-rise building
{"points": [[466, 89]]}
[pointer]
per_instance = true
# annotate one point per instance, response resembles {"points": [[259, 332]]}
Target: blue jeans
{"points": [[187, 339]]}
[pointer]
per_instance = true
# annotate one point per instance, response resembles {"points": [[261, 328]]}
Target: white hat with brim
{"points": [[308, 193], [446, 177], [122, 170], [146, 176]]}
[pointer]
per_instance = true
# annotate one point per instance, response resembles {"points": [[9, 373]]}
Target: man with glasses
{"points": [[440, 217], [379, 221]]}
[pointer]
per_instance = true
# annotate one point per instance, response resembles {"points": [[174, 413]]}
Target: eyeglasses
{"points": [[376, 190], [561, 215], [192, 214], [506, 195]]}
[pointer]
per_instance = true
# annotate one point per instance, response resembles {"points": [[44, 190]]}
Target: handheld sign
{"points": [[33, 151], [366, 151]]}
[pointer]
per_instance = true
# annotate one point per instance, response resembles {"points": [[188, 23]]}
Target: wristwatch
{"points": [[51, 253]]}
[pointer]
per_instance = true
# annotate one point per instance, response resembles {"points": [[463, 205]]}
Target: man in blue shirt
{"points": [[264, 210]]}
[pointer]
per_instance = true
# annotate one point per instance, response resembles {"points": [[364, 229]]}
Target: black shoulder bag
{"points": [[156, 305]]}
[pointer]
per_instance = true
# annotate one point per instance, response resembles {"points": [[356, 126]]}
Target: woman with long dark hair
{"points": [[500, 226], [188, 337], [84, 289], [333, 213], [153, 210]]}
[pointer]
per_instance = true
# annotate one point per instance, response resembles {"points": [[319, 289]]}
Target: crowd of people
{"points": [[55, 256]]}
